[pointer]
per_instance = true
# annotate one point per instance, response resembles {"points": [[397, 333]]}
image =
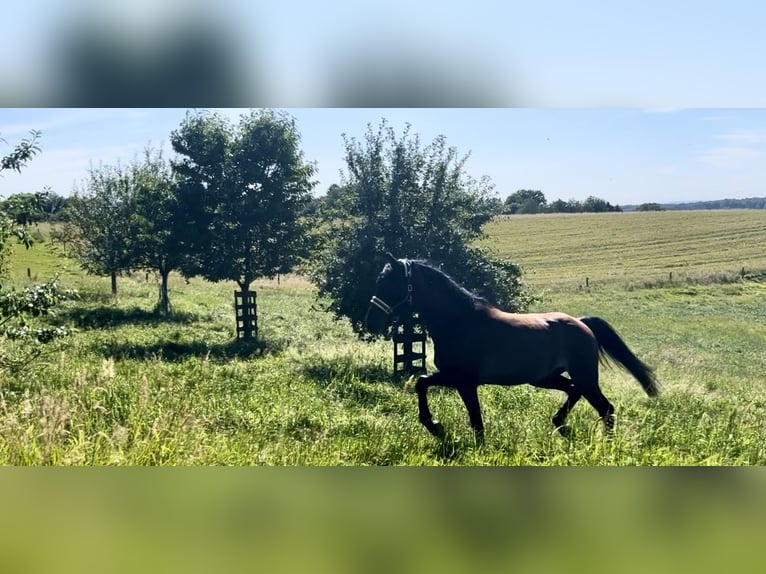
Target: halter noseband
{"points": [[385, 307]]}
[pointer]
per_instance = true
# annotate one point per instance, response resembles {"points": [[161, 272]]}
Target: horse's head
{"points": [[393, 289]]}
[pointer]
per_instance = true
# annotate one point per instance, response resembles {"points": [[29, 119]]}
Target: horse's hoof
{"points": [[565, 431], [437, 429]]}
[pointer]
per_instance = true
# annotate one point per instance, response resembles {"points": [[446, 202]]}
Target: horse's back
{"points": [[523, 347]]}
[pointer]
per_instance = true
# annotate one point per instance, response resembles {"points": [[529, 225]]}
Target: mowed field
{"points": [[632, 249], [129, 388]]}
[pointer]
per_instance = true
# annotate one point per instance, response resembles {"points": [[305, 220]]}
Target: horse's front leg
{"points": [[424, 413]]}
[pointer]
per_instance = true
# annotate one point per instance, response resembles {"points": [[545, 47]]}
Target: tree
{"points": [[650, 207], [561, 206], [594, 204], [14, 160], [525, 201], [18, 309], [154, 223], [415, 201], [240, 192], [98, 223], [20, 155]]}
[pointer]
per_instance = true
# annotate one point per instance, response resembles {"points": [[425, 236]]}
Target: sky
{"points": [[547, 53], [623, 155]]}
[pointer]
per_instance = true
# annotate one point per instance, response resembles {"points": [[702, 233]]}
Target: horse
{"points": [[475, 343]]}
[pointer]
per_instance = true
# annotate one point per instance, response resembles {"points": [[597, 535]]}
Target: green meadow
{"points": [[129, 388]]}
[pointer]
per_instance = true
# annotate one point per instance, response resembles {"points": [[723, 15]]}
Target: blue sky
{"points": [[621, 155], [547, 53]]}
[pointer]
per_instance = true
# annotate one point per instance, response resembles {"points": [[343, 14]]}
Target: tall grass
{"points": [[131, 388]]}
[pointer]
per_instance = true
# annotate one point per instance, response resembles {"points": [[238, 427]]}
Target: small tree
{"points": [[414, 201], [651, 206], [18, 309], [154, 221], [20, 155], [98, 224], [240, 192], [10, 228], [525, 201], [594, 204]]}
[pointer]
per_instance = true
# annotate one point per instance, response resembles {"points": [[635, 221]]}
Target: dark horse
{"points": [[476, 343]]}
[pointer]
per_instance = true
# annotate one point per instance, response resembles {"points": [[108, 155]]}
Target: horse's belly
{"points": [[507, 369]]}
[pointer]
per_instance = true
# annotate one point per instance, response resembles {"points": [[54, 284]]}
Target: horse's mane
{"points": [[455, 290]]}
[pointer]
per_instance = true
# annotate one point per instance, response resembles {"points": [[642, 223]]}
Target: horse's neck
{"points": [[442, 309]]}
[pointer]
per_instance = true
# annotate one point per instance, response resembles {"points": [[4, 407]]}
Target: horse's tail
{"points": [[611, 345]]}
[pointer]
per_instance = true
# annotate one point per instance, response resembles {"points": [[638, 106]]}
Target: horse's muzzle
{"points": [[376, 319]]}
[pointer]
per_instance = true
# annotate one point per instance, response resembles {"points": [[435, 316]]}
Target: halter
{"points": [[385, 307]]}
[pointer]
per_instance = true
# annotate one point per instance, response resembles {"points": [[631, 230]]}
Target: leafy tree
{"points": [[14, 160], [336, 201], [97, 229], [18, 309], [561, 206], [28, 208], [594, 204], [241, 190], [415, 201], [650, 207], [154, 221], [525, 201], [20, 155]]}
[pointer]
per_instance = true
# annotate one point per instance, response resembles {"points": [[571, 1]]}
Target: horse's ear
{"points": [[391, 258]]}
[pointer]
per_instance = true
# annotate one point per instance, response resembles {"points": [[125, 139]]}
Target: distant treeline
{"points": [[746, 203], [34, 207], [534, 201]]}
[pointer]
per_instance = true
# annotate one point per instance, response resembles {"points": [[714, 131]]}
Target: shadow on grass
{"points": [[324, 371], [174, 351], [110, 317], [365, 383]]}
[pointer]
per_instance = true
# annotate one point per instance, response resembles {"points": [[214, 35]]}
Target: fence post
{"points": [[409, 333]]}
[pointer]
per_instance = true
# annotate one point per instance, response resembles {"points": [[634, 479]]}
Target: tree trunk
{"points": [[164, 302], [114, 282]]}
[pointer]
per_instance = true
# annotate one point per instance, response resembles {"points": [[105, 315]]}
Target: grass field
{"points": [[634, 249], [129, 388]]}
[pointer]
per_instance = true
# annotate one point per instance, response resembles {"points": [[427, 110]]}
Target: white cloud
{"points": [[746, 137], [739, 148], [731, 156]]}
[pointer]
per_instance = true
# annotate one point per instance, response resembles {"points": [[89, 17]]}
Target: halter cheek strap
{"points": [[385, 307]]}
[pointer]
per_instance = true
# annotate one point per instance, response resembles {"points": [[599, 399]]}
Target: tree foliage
{"points": [[240, 191], [34, 207], [154, 221], [526, 201], [98, 229], [19, 309], [415, 201], [10, 228], [22, 153]]}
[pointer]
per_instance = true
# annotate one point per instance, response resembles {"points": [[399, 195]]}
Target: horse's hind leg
{"points": [[469, 394], [560, 383], [596, 398]]}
